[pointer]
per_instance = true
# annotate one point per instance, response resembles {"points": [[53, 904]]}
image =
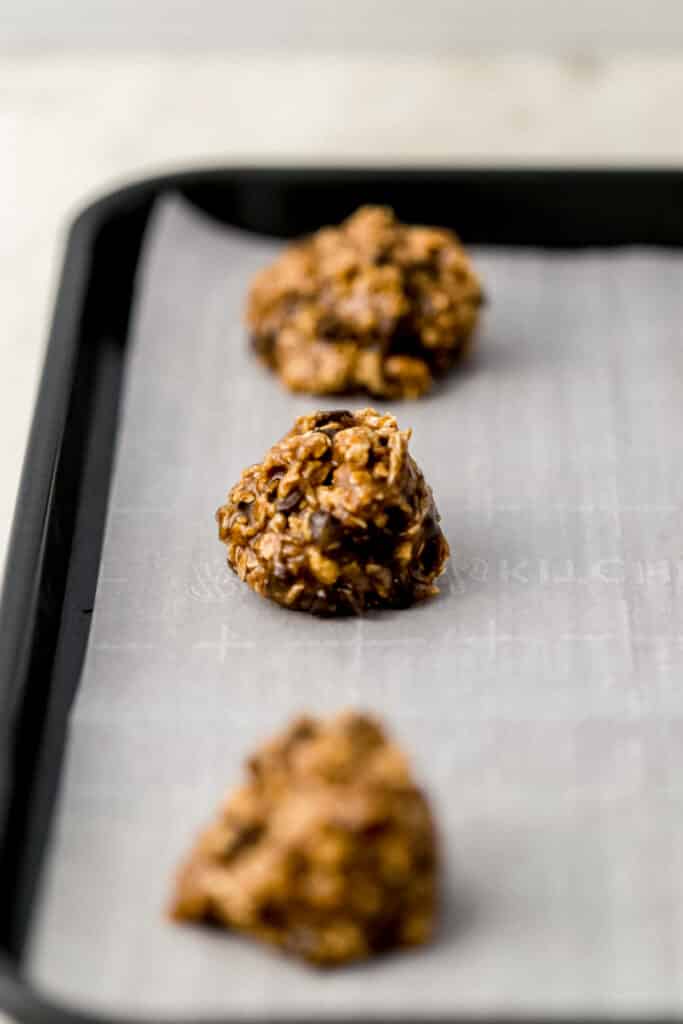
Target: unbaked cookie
{"points": [[336, 519], [328, 850], [372, 305]]}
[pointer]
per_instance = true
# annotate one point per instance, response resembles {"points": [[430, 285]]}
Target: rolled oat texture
{"points": [[372, 305], [328, 849], [337, 519]]}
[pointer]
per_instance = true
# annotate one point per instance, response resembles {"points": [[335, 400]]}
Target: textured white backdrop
{"points": [[424, 27]]}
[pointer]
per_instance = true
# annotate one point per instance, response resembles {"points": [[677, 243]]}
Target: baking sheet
{"points": [[540, 695]]}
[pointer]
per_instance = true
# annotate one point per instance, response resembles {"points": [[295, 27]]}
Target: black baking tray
{"points": [[52, 565]]}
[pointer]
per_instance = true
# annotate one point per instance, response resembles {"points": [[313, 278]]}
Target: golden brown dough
{"points": [[372, 305], [328, 850]]}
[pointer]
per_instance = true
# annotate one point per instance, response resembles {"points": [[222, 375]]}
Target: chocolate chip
{"points": [[331, 329], [431, 527], [244, 837], [341, 416], [263, 343], [397, 520], [432, 551], [325, 529], [272, 916], [375, 545], [304, 729], [289, 502], [246, 508], [382, 256]]}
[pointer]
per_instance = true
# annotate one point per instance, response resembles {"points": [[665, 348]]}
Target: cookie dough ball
{"points": [[336, 519], [328, 850], [371, 305]]}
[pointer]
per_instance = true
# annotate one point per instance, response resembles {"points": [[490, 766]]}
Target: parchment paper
{"points": [[541, 695]]}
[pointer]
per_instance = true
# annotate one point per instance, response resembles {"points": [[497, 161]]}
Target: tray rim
{"points": [[35, 505]]}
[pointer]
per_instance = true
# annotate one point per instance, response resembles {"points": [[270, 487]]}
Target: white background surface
{"points": [[426, 27], [75, 123]]}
